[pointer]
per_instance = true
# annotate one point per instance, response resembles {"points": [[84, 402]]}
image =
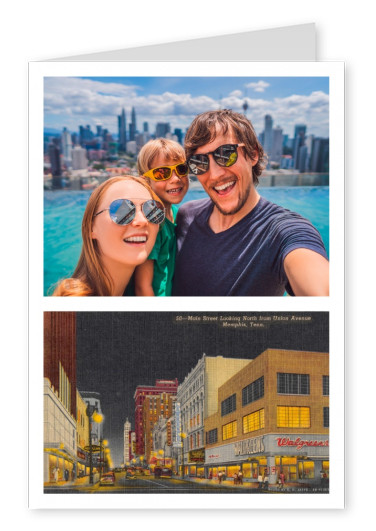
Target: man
{"points": [[236, 242]]}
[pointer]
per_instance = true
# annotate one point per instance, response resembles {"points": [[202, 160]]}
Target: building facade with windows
{"points": [[273, 416], [60, 450], [198, 399], [146, 417]]}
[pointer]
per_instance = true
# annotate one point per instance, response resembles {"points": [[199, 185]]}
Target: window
{"points": [[253, 391], [229, 430], [325, 385], [228, 405], [326, 417], [293, 384], [293, 417], [212, 436], [254, 421]]}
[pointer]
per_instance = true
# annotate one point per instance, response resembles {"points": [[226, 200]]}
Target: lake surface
{"points": [[63, 211]]}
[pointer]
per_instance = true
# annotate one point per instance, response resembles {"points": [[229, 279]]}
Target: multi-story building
{"points": [[165, 387], [198, 399], [91, 398], [122, 131], [59, 395], [79, 158], [154, 408], [272, 415], [82, 435], [299, 141], [162, 447], [127, 441]]}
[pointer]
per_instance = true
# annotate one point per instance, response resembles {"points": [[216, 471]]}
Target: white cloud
{"points": [[236, 93], [260, 86], [71, 102]]}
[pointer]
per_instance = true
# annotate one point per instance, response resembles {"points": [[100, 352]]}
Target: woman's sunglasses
{"points": [[164, 172], [224, 156], [123, 211]]}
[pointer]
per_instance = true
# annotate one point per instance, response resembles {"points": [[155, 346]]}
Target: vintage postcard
{"points": [[187, 296], [140, 403]]}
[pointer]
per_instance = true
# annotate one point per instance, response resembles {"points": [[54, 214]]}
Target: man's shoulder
{"points": [[191, 209], [276, 214]]}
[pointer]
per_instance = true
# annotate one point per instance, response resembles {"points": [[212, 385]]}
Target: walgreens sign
{"points": [[299, 443]]}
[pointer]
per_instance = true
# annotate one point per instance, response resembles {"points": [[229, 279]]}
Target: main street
{"points": [[146, 485]]}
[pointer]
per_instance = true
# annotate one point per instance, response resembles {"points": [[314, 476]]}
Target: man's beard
{"points": [[242, 201]]}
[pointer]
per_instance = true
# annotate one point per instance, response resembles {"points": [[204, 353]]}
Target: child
{"points": [[162, 163]]}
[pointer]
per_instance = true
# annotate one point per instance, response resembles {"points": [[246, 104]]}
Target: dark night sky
{"points": [[116, 351]]}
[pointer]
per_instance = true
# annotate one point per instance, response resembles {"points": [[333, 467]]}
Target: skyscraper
{"points": [[276, 153], [122, 129], [54, 156], [299, 141], [132, 125], [165, 387], [66, 143], [127, 441], [268, 136], [161, 130]]}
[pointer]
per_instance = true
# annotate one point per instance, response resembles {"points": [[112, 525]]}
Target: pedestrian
{"points": [[282, 480], [236, 478], [240, 477], [210, 475], [260, 481], [66, 474], [56, 474], [266, 480]]}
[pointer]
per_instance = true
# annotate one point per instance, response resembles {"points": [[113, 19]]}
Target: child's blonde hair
{"points": [[170, 149]]}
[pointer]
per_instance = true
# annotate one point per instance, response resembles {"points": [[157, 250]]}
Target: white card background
{"points": [[333, 304], [31, 34]]}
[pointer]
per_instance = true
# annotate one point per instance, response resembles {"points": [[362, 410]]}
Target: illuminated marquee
{"points": [[249, 446]]}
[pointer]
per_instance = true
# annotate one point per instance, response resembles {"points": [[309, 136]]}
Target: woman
{"points": [[119, 229]]}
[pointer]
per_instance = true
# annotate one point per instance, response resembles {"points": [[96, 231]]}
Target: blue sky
{"points": [[71, 102]]}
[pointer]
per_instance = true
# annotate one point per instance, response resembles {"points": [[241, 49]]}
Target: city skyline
{"points": [[70, 102]]}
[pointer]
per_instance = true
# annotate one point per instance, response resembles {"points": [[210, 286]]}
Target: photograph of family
{"points": [[196, 186]]}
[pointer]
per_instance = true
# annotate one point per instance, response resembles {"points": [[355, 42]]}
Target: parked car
{"points": [[107, 479], [162, 472]]}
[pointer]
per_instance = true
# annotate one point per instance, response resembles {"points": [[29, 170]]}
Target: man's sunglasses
{"points": [[224, 156], [123, 211], [164, 172]]}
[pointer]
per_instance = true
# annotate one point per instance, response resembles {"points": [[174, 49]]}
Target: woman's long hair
{"points": [[90, 276]]}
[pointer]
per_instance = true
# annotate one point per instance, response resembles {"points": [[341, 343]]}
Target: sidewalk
{"points": [[85, 480], [289, 487]]}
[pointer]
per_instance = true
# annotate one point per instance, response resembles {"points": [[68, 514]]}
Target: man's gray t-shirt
{"points": [[246, 259]]}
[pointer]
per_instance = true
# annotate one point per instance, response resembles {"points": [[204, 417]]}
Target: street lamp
{"points": [[93, 415]]}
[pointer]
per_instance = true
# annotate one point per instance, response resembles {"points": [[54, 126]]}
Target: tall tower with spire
{"points": [[132, 125], [122, 127]]}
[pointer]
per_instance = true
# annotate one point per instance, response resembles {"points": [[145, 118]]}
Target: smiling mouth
{"points": [[175, 191], [135, 239], [225, 188]]}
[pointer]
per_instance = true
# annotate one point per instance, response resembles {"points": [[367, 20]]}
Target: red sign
{"points": [[300, 443]]}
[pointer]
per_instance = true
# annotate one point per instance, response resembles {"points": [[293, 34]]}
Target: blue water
{"points": [[63, 211]]}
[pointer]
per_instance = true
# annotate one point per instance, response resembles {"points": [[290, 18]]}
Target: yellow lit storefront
{"points": [[59, 464], [304, 459]]}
